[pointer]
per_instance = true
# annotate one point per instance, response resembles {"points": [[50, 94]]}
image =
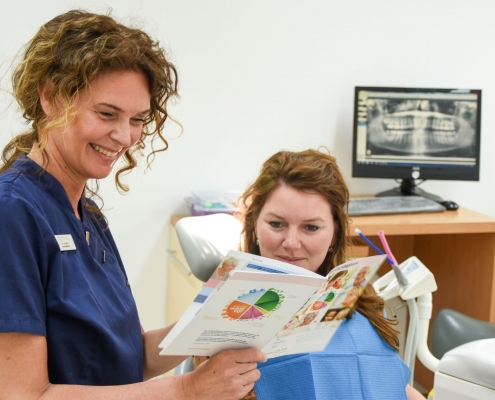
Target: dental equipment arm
{"points": [[424, 354], [420, 284]]}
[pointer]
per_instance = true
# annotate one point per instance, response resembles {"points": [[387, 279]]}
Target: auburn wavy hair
{"points": [[69, 52], [315, 172]]}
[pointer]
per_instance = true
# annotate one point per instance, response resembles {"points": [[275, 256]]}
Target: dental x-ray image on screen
{"points": [[416, 133], [421, 127]]}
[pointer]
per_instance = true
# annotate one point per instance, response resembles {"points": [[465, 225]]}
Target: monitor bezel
{"points": [[406, 172]]}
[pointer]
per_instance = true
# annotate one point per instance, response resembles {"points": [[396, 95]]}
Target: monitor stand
{"points": [[408, 187]]}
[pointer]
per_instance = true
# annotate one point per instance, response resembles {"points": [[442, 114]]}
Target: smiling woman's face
{"points": [[295, 227], [108, 120]]}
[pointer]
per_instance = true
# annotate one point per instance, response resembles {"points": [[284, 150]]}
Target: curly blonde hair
{"points": [[69, 52]]}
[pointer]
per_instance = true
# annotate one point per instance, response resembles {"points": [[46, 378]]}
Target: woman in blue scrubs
{"points": [[296, 212], [93, 91]]}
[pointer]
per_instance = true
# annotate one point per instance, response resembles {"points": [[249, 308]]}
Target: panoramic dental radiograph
{"points": [[438, 128]]}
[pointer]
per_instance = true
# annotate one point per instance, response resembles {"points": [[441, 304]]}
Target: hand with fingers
{"points": [[227, 375]]}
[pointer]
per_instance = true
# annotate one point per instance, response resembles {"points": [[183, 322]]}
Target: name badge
{"points": [[65, 242]]}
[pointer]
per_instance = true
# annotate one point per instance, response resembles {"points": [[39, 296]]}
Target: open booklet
{"points": [[253, 301]]}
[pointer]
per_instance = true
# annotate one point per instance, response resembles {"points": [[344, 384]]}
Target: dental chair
{"points": [[463, 358], [466, 349], [464, 365]]}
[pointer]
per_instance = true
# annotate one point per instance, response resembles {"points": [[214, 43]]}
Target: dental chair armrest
{"points": [[424, 354]]}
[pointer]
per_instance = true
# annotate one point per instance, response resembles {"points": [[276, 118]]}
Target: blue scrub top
{"points": [[80, 300], [356, 365]]}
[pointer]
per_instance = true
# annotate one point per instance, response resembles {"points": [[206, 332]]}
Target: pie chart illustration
{"points": [[253, 305]]}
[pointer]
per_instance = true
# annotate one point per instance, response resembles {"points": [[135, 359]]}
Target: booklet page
{"points": [[311, 328], [252, 301]]}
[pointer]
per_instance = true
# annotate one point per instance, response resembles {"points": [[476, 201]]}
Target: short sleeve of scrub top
{"points": [[79, 299], [356, 365]]}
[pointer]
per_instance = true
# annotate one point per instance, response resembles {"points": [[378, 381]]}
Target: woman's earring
{"points": [[330, 249], [257, 242]]}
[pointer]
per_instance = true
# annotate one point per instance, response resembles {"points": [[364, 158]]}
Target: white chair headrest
{"points": [[205, 240]]}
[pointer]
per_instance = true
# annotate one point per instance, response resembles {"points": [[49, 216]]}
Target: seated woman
{"points": [[296, 212]]}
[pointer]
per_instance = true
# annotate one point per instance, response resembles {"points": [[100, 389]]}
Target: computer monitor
{"points": [[415, 134]]}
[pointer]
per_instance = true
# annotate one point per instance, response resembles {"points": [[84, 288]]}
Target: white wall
{"points": [[258, 76]]}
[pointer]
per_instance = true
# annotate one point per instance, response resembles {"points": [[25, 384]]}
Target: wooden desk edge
{"points": [[448, 222]]}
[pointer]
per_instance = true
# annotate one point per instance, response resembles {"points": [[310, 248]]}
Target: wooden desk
{"points": [[458, 247]]}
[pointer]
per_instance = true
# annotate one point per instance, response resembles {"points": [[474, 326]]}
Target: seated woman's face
{"points": [[295, 227]]}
